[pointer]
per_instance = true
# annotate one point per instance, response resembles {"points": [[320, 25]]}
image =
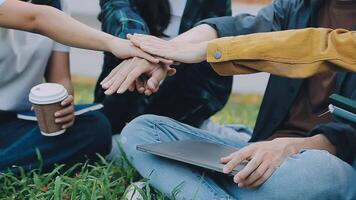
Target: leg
{"points": [[311, 174], [90, 134], [164, 174]]}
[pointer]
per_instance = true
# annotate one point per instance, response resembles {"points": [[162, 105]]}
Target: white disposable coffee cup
{"points": [[46, 99]]}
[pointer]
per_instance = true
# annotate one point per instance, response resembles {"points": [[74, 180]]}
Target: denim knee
{"points": [[140, 130], [311, 174], [336, 177]]}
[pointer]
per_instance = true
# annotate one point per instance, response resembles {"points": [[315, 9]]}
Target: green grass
{"points": [[103, 179]]}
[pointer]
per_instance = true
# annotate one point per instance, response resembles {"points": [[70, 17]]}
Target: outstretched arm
{"points": [[294, 53], [56, 25]]}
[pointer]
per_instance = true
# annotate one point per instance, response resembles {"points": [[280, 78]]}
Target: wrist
{"points": [[202, 49], [320, 142], [109, 43]]}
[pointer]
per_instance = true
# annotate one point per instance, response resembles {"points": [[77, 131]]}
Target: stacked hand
{"points": [[263, 159], [136, 74], [151, 63]]}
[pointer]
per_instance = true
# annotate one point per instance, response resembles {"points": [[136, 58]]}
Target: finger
{"points": [[118, 73], [65, 111], [69, 100], [65, 119], [69, 124], [109, 81], [226, 159], [156, 78], [131, 77], [135, 41], [255, 175], [165, 61], [237, 158], [132, 87], [112, 73], [264, 177], [251, 166], [143, 37], [120, 77], [148, 92], [140, 85], [171, 71]]}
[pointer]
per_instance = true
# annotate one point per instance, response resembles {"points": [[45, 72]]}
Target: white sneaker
{"points": [[131, 192]]}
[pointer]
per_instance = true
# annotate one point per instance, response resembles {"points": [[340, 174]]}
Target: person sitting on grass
{"points": [[293, 153], [25, 60]]}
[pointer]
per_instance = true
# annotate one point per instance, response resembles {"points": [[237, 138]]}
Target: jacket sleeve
{"points": [[119, 18], [269, 18], [342, 136], [293, 53]]}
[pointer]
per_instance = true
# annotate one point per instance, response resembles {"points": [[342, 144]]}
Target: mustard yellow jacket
{"points": [[294, 53]]}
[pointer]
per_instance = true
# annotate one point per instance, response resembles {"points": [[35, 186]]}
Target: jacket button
{"points": [[217, 55]]}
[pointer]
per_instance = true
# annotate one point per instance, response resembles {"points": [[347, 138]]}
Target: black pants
{"points": [[194, 94], [20, 139]]}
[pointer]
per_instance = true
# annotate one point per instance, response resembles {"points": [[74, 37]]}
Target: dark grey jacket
{"points": [[281, 92]]}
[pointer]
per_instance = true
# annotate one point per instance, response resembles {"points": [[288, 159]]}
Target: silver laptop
{"points": [[195, 152]]}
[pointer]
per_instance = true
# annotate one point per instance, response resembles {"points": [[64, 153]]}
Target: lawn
{"points": [[104, 180]]}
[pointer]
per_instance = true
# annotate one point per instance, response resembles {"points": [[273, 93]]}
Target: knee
{"points": [[312, 174], [140, 130], [330, 175]]}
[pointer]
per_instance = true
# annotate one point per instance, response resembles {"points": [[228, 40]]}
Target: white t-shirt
{"points": [[2, 1], [177, 11], [23, 61]]}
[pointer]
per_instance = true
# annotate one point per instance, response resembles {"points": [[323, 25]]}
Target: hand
{"points": [[136, 72], [65, 117], [263, 159], [125, 49], [178, 51]]}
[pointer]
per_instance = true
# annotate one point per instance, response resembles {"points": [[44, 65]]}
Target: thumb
{"points": [[156, 78]]}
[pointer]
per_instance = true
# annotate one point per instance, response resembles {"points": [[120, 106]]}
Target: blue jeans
{"points": [[19, 139], [310, 174]]}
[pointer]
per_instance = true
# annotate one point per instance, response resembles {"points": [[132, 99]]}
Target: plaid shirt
{"points": [[207, 95], [119, 18]]}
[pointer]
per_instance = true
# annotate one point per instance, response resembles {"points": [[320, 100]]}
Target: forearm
{"points": [[197, 34], [67, 84], [52, 23], [62, 28], [319, 50], [57, 70]]}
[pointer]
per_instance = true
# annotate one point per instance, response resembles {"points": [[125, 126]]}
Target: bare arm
{"points": [[197, 34], [58, 71], [56, 25]]}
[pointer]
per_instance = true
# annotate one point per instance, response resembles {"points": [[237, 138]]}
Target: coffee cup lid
{"points": [[47, 93]]}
